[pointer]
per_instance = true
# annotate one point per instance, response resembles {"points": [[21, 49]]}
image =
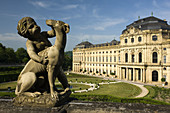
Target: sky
{"points": [[96, 21]]}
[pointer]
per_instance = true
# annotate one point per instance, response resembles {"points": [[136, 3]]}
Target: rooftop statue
{"points": [[39, 74]]}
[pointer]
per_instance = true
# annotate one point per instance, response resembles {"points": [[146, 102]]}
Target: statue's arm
{"points": [[49, 34], [31, 52]]}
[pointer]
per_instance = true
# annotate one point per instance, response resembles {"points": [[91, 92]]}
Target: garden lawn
{"points": [[157, 93], [4, 86], [117, 90]]}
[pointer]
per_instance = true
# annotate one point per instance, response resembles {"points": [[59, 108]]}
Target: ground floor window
{"points": [[154, 76]]}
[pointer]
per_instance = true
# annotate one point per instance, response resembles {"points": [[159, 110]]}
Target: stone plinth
{"points": [[42, 101]]}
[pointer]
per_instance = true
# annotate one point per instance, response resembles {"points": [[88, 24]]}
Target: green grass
{"points": [[4, 86], [117, 90], [84, 78], [157, 93], [74, 86]]}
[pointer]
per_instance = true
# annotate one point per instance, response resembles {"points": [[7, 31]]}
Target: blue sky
{"points": [[97, 21]]}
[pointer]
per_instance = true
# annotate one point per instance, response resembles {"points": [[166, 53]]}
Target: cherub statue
{"points": [[40, 73]]}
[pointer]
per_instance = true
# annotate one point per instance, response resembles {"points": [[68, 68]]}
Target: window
{"points": [[110, 51], [110, 59], [164, 59], [119, 58], [140, 57], [126, 57], [103, 59], [154, 76], [99, 59], [155, 57], [133, 58], [96, 59], [164, 48], [132, 40], [139, 74], [106, 58], [139, 39], [125, 40], [154, 38], [114, 59]]}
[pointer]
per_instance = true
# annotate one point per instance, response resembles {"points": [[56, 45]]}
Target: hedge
{"points": [[107, 98]]}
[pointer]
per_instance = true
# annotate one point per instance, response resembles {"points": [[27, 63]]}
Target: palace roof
{"points": [[149, 23]]}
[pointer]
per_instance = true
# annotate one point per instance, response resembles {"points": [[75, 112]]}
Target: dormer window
{"points": [[154, 38], [132, 40], [139, 39], [125, 40]]}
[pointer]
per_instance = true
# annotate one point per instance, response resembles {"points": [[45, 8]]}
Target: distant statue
{"points": [[39, 74]]}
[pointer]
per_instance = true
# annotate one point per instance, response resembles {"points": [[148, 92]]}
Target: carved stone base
{"points": [[42, 101]]}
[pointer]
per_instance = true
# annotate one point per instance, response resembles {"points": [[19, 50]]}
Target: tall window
{"points": [[140, 57], [114, 59], [110, 58], [125, 40], [154, 76], [164, 59], [103, 59], [126, 57], [132, 40], [119, 58], [99, 59], [133, 58], [155, 57], [139, 39], [106, 58]]}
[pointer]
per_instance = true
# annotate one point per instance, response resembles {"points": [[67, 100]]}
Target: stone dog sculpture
{"points": [[39, 74]]}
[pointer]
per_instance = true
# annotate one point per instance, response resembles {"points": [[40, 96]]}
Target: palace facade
{"points": [[142, 54]]}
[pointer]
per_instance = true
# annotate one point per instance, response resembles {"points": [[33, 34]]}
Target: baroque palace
{"points": [[142, 54]]}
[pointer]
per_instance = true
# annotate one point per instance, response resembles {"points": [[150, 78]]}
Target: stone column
{"points": [[144, 75], [134, 74], [141, 75], [127, 74], [120, 73]]}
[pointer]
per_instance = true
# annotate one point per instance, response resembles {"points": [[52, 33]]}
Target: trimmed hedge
{"points": [[19, 68], [9, 77], [107, 98], [9, 73]]}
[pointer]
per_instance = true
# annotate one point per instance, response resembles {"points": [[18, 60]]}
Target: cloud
{"points": [[154, 3], [11, 36], [71, 6], [104, 23], [12, 40], [73, 40], [40, 4]]}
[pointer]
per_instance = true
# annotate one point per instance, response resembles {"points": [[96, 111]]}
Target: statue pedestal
{"points": [[41, 101]]}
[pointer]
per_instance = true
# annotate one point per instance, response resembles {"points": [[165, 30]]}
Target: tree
{"points": [[21, 55], [67, 62], [11, 57]]}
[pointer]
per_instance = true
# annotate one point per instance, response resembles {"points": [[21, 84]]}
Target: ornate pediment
{"points": [[132, 30], [155, 49]]}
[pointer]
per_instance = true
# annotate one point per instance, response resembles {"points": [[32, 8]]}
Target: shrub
{"points": [[112, 73], [163, 79]]}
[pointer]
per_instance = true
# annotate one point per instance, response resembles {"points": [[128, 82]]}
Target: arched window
{"points": [[154, 76], [140, 57], [132, 40], [154, 57], [133, 58], [125, 40], [139, 39], [126, 57], [154, 38]]}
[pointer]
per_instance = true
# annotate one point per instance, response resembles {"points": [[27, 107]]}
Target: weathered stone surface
{"points": [[42, 101], [86, 107]]}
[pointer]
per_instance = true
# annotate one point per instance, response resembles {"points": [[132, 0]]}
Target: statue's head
{"points": [[27, 27], [64, 26]]}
